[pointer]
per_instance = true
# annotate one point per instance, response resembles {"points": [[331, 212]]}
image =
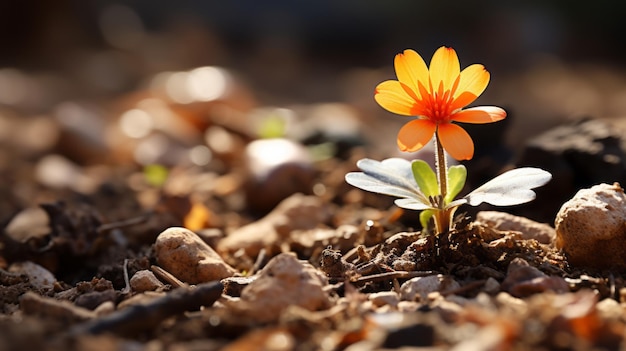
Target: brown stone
{"points": [[183, 253], [591, 228]]}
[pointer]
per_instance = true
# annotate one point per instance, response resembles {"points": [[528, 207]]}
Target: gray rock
{"points": [[38, 276]]}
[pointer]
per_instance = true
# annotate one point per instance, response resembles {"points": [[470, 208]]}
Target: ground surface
{"points": [[89, 186]]}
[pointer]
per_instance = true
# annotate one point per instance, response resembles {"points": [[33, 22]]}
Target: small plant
{"points": [[437, 95]]}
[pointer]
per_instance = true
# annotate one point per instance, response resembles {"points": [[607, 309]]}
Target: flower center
{"points": [[438, 105]]}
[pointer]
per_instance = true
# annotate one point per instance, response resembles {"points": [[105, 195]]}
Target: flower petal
{"points": [[444, 68], [415, 134], [479, 114], [411, 68], [473, 81], [393, 98], [456, 141]]}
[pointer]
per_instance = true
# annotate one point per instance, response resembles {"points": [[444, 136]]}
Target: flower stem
{"points": [[442, 169], [442, 217]]}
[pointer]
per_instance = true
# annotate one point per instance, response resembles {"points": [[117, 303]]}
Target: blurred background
{"points": [[150, 82], [300, 52]]}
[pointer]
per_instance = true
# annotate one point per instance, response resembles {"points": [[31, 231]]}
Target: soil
{"points": [[83, 204], [508, 292]]}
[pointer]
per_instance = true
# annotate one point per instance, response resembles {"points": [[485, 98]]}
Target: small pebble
{"points": [[491, 286], [104, 308], [285, 281], [183, 254], [591, 230], [383, 298], [418, 288], [38, 276], [523, 280], [91, 300], [145, 280], [30, 223]]}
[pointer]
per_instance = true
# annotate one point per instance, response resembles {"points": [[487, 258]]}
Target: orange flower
{"points": [[436, 96]]}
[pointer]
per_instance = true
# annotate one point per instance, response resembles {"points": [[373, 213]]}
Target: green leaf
{"points": [[425, 217], [425, 178], [456, 181]]}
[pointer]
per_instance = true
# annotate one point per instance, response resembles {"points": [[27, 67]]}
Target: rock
{"points": [[384, 298], [276, 338], [578, 155], [182, 253], [30, 223], [104, 308], [524, 280], [39, 277], [285, 281], [60, 310], [145, 280], [528, 228], [277, 169], [492, 286], [418, 288], [591, 230], [298, 212], [91, 300]]}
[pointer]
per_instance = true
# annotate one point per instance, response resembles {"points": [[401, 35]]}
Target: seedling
{"points": [[437, 96]]}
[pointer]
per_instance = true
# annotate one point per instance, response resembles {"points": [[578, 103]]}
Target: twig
{"points": [[167, 277], [126, 289], [392, 275], [260, 259], [123, 223], [138, 318]]}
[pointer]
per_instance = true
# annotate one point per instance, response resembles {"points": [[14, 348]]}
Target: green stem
{"points": [[443, 221], [442, 169]]}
